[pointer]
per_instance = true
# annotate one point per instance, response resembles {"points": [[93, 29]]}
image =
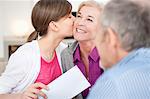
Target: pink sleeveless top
{"points": [[49, 71]]}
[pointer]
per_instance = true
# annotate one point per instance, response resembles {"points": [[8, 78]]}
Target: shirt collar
{"points": [[93, 55], [76, 54]]}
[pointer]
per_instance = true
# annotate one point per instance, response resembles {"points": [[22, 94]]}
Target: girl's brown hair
{"points": [[46, 11]]}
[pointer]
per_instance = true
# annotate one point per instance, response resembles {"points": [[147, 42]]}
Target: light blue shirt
{"points": [[129, 79]]}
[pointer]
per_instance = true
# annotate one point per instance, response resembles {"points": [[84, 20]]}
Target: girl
{"points": [[37, 63]]}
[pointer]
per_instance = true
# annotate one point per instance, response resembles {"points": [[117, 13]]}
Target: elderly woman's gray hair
{"points": [[91, 3], [130, 20]]}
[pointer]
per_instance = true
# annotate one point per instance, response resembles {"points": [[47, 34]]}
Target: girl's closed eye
{"points": [[69, 17]]}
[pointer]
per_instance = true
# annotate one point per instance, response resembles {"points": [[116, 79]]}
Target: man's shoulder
{"points": [[126, 75], [126, 69], [104, 88], [114, 81]]}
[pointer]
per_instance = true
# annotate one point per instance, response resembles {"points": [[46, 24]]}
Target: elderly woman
{"points": [[83, 52]]}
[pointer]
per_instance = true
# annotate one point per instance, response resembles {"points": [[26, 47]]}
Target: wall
{"points": [[1, 47], [1, 40], [13, 14]]}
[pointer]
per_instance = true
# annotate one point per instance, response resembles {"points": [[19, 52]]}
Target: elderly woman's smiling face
{"points": [[86, 23]]}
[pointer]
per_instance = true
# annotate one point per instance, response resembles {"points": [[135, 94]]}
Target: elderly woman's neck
{"points": [[86, 47]]}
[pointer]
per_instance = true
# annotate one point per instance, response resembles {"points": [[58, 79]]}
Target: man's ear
{"points": [[53, 26], [112, 37]]}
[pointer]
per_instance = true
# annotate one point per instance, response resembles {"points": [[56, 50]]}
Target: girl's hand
{"points": [[33, 91]]}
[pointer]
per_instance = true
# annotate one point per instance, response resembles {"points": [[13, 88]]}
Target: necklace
{"points": [[48, 57]]}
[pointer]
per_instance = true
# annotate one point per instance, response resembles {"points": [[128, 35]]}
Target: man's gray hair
{"points": [[130, 20]]}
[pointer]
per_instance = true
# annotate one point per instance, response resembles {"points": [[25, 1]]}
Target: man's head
{"points": [[124, 27]]}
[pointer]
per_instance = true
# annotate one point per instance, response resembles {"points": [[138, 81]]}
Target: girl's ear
{"points": [[53, 26]]}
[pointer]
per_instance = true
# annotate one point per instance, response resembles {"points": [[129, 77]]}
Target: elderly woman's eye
{"points": [[90, 20], [78, 16]]}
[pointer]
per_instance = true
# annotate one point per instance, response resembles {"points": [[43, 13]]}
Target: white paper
{"points": [[67, 85]]}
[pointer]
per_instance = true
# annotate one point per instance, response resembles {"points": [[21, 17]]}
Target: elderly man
{"points": [[123, 44]]}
